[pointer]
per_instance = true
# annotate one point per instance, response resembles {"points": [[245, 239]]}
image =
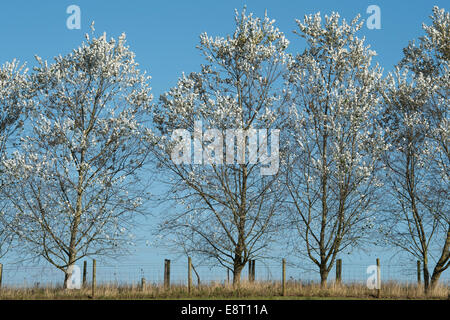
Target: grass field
{"points": [[247, 291]]}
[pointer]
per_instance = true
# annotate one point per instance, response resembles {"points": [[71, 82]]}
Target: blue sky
{"points": [[164, 35]]}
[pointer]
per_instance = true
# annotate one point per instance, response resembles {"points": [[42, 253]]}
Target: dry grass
{"points": [[257, 290]]}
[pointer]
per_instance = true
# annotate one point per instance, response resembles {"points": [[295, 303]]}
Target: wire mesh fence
{"points": [[132, 274]]}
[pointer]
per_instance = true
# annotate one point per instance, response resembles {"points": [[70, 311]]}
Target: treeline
{"points": [[358, 155]]}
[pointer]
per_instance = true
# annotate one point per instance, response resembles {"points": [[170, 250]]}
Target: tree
{"points": [[332, 172], [225, 210], [73, 184], [417, 163], [15, 91]]}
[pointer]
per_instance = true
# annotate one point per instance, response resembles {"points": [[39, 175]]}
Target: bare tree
{"points": [[335, 140], [73, 185], [417, 129], [225, 210]]}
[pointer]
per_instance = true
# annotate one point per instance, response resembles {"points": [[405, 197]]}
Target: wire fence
{"points": [[132, 274]]}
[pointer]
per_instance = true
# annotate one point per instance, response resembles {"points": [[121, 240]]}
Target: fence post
{"points": [[378, 279], [1, 274], [283, 285], [253, 270], [189, 275], [94, 278], [338, 271], [166, 273], [143, 283], [419, 280], [250, 270], [84, 273], [228, 276]]}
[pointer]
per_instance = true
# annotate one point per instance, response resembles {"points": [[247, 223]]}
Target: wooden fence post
{"points": [[94, 278], [166, 274], [378, 279], [189, 275], [228, 276], [283, 285], [250, 262], [1, 274], [253, 270], [143, 284], [84, 273], [419, 280], [338, 271]]}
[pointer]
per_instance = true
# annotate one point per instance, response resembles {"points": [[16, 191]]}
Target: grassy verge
{"points": [[247, 291]]}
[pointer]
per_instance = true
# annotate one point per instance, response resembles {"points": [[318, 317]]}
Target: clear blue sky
{"points": [[164, 34]]}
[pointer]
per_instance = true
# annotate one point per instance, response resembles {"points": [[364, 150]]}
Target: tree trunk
{"points": [[66, 279], [67, 274], [75, 223], [434, 279], [239, 261], [323, 277], [69, 269], [426, 276], [442, 263], [237, 274]]}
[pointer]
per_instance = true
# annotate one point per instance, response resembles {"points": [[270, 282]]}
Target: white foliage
{"points": [[72, 181]]}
